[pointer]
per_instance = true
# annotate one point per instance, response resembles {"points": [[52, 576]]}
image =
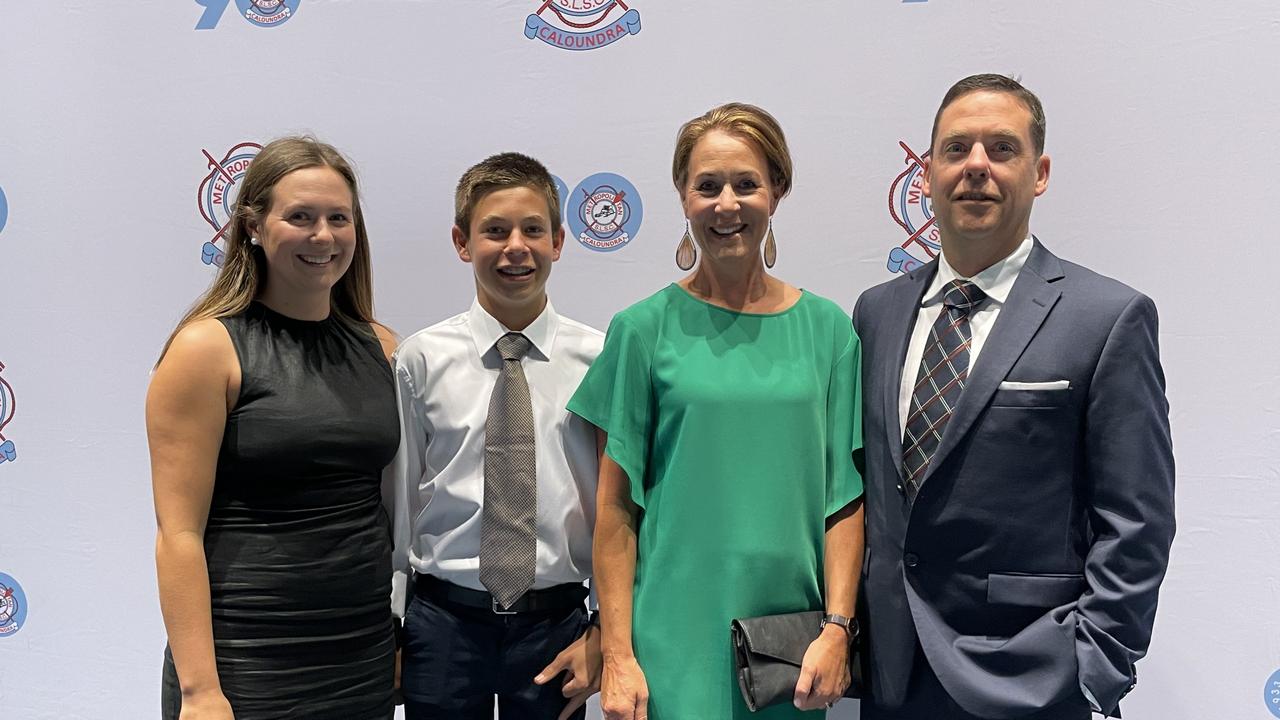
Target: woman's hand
{"points": [[624, 694], [824, 672], [211, 705]]}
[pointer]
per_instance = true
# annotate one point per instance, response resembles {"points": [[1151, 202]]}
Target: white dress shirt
{"points": [[435, 486], [996, 281]]}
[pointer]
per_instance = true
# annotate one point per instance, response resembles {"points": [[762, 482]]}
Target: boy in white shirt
{"points": [[493, 488]]}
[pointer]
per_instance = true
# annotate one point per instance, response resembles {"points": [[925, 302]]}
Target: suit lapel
{"points": [[1029, 302], [903, 307]]}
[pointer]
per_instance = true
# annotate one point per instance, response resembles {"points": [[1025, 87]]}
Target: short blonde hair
{"points": [[743, 120]]}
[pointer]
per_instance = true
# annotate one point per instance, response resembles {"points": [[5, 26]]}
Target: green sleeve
{"points": [[616, 395], [844, 427]]}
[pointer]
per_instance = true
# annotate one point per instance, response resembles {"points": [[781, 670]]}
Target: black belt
{"points": [[559, 597]]}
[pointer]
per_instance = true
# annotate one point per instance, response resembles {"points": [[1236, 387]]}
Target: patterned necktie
{"points": [[508, 545], [943, 371]]}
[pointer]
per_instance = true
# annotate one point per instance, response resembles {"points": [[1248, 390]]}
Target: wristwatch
{"points": [[849, 624]]}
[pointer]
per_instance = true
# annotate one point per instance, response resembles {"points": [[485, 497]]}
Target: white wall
{"points": [[1162, 127]]}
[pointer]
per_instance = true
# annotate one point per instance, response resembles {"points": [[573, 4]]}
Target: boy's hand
{"points": [[581, 662]]}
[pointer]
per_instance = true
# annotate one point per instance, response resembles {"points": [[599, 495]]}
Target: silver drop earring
{"points": [[686, 251], [770, 247]]}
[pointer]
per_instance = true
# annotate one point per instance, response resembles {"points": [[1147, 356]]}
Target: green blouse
{"points": [[737, 432]]}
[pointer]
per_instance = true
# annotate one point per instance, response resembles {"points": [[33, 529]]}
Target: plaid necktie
{"points": [[508, 544], [943, 371]]}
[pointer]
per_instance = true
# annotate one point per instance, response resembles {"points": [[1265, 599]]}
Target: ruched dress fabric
{"points": [[297, 542], [737, 433]]}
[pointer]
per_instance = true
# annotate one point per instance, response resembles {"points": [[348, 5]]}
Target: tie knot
{"points": [[962, 295], [513, 346]]}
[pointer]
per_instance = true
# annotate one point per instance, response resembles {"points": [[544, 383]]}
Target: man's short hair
{"points": [[991, 82], [499, 172]]}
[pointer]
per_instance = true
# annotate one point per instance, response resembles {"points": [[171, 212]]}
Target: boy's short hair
{"points": [[498, 172]]}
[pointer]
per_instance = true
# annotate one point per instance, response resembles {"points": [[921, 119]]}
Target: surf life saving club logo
{"points": [[582, 24], [263, 13], [8, 452], [13, 606], [217, 196], [911, 210], [604, 212]]}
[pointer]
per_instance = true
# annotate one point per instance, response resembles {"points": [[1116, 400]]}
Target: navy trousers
{"points": [[928, 700], [456, 659]]}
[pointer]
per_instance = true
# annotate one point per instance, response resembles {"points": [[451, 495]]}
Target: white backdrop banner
{"points": [[126, 126]]}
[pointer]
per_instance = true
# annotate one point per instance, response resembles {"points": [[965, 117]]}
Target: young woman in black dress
{"points": [[270, 417]]}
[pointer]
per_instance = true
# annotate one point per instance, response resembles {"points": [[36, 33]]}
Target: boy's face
{"points": [[511, 246]]}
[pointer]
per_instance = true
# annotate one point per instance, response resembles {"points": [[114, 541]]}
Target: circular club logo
{"points": [[4, 209], [604, 212], [266, 13], [1271, 693], [217, 196], [263, 13], [910, 209], [13, 606], [581, 24], [8, 452]]}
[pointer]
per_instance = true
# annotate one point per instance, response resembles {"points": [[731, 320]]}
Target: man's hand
{"points": [[581, 663], [824, 672]]}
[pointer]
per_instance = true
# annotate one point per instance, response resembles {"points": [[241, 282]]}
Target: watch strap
{"points": [[849, 624]]}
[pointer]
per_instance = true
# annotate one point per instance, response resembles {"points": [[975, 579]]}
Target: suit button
{"points": [[911, 559]]}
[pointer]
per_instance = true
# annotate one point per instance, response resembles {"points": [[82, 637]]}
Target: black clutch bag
{"points": [[768, 651]]}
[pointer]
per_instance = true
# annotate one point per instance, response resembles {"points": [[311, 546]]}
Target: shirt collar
{"points": [[486, 330], [996, 281]]}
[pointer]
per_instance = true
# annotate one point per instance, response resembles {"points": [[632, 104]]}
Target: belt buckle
{"points": [[497, 609]]}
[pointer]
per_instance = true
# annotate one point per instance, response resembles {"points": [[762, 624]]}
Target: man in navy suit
{"points": [[1019, 466]]}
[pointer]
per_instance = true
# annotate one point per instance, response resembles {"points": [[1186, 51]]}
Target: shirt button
{"points": [[911, 559]]}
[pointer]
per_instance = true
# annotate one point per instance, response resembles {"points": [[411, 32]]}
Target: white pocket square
{"points": [[1051, 385]]}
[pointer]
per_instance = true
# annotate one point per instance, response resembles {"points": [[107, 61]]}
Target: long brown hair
{"points": [[244, 267]]}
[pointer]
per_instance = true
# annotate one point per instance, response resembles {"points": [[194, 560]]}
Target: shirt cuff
{"points": [[399, 584], [1093, 703]]}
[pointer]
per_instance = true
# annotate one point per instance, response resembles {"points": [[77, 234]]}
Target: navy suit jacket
{"points": [[1030, 561]]}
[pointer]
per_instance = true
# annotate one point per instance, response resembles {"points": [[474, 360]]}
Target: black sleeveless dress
{"points": [[298, 543]]}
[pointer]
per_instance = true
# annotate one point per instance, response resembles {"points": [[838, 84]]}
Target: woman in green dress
{"points": [[726, 406]]}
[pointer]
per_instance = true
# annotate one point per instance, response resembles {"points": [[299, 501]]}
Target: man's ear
{"points": [[1042, 175], [924, 177], [460, 244]]}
